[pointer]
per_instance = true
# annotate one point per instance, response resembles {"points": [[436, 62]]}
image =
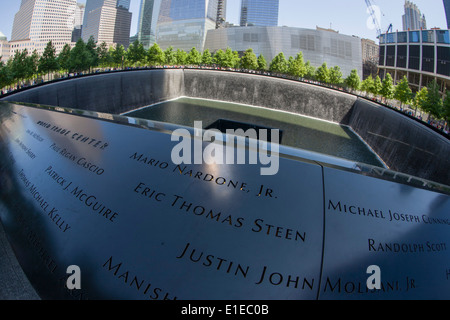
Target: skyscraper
{"points": [[39, 21], [148, 18], [107, 21], [183, 24], [78, 22], [447, 12], [413, 19], [259, 13]]}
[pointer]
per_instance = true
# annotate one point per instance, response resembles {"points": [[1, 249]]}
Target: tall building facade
{"points": [[107, 21], [447, 12], [148, 19], [420, 55], [184, 24], [39, 21], [413, 19], [259, 13]]}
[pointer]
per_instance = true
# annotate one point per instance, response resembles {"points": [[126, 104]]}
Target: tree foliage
{"points": [[420, 98], [353, 81], [323, 73], [433, 102], [249, 60], [207, 58], [387, 87], [446, 107], [336, 76], [155, 55], [48, 62], [279, 64], [296, 66], [367, 84], [262, 63], [403, 92], [194, 57]]}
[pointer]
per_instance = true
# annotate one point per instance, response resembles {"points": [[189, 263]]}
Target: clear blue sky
{"points": [[346, 16]]}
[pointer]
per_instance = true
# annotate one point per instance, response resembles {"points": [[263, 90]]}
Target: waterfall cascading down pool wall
{"points": [[402, 143], [101, 192]]}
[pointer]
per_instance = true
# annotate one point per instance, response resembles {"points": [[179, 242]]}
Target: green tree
{"points": [[64, 58], [323, 73], [19, 65], [48, 62], [353, 81], [387, 87], [136, 53], [310, 70], [232, 59], [219, 58], [279, 64], [207, 58], [6, 77], [367, 84], [194, 57], [433, 103], [79, 57], [297, 66], [104, 55], [377, 86], [262, 63], [32, 64], [119, 56], [336, 76], [249, 60], [403, 92], [91, 48], [181, 57], [155, 55], [170, 56], [446, 107], [420, 98]]}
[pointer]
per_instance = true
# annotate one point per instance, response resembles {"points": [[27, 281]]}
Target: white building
{"points": [[318, 46], [39, 21]]}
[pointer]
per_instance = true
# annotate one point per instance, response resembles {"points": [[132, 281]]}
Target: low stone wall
{"points": [[275, 93], [114, 92], [404, 144]]}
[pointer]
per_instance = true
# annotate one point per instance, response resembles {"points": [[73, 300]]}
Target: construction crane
{"points": [[371, 8], [376, 23]]}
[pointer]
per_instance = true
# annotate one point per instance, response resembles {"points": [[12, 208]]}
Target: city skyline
{"points": [[349, 20]]}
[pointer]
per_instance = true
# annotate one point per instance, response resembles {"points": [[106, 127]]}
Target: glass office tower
{"points": [[183, 24], [259, 13], [148, 18]]}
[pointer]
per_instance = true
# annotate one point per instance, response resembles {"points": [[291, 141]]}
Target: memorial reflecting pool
{"points": [[297, 131]]}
